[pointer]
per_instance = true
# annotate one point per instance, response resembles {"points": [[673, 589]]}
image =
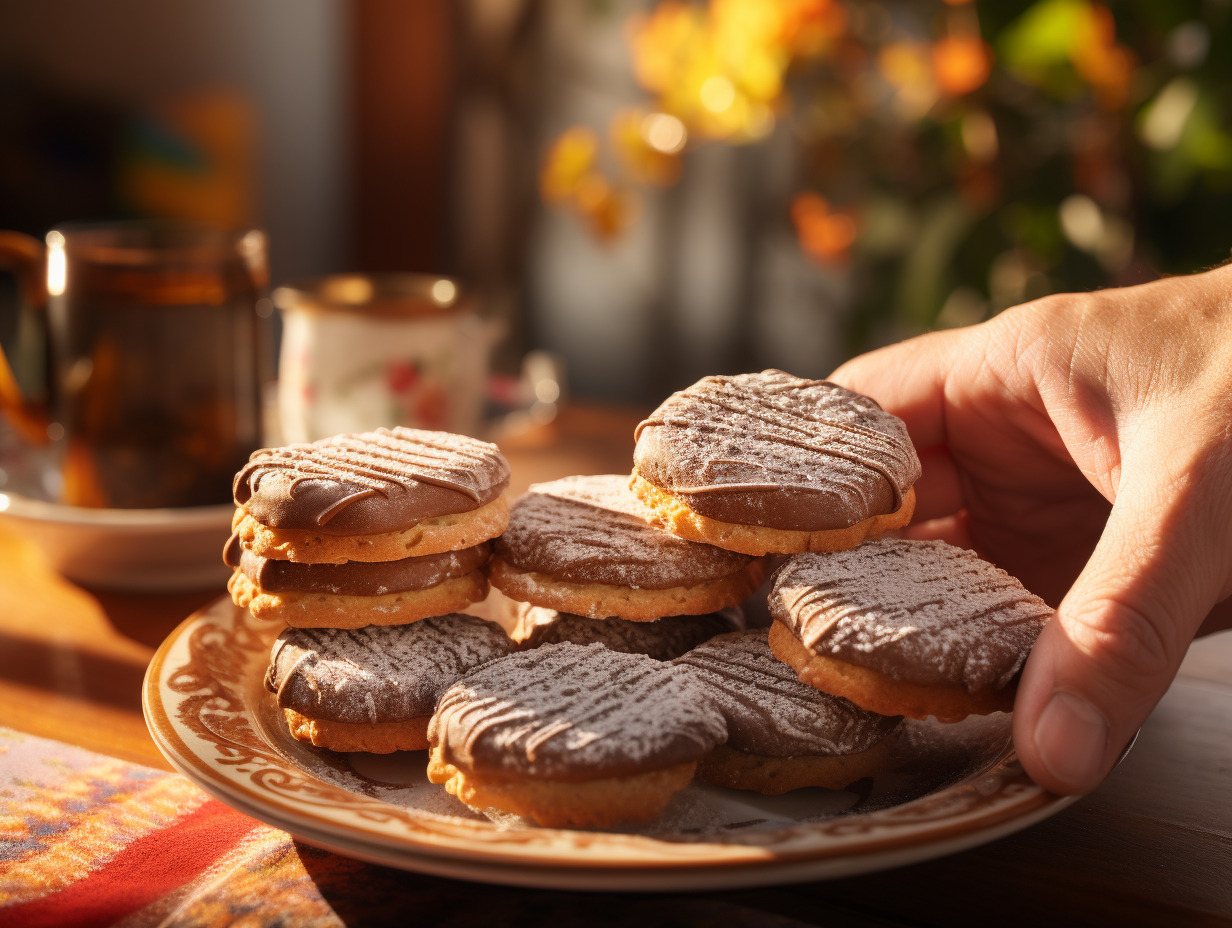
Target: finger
{"points": [[953, 530], [938, 492], [908, 380], [1119, 635], [1218, 620]]}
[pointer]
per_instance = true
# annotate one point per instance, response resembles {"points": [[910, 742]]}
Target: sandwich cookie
{"points": [[662, 639], [572, 736], [356, 593], [771, 463], [375, 496], [587, 546], [899, 627], [374, 689], [782, 734]]}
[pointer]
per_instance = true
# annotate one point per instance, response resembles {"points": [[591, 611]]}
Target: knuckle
{"points": [[1129, 645]]}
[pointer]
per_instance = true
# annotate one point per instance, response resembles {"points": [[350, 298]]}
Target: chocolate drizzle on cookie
{"points": [[769, 711], [568, 712], [922, 612], [594, 530], [380, 481], [376, 674], [778, 451]]}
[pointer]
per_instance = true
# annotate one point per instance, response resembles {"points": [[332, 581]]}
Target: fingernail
{"points": [[1071, 737]]}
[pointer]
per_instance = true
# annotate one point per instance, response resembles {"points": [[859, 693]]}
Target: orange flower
{"points": [[1106, 66], [824, 235], [649, 145], [607, 211], [961, 63], [568, 161], [663, 42], [809, 26]]}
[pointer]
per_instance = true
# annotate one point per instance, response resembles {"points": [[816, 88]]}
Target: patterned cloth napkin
{"points": [[88, 840]]}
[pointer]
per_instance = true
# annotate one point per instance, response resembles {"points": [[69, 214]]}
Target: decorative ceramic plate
{"points": [[953, 787], [132, 549]]}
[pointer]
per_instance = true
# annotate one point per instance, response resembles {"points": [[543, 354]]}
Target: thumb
{"points": [[1118, 637]]}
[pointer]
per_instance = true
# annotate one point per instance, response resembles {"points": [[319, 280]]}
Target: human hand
{"points": [[1083, 442]]}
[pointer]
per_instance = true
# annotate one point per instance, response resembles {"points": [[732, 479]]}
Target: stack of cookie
{"points": [[590, 566], [589, 726], [725, 473], [366, 545], [866, 629], [773, 464], [630, 671]]}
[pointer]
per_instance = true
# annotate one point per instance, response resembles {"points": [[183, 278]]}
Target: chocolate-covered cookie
{"points": [[356, 593], [782, 734], [375, 496], [374, 689], [914, 628], [572, 736], [378, 528], [662, 639], [586, 545], [771, 463]]}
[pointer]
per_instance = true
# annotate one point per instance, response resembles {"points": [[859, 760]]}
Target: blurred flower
{"points": [[431, 407], [401, 376], [1100, 60], [649, 145], [961, 63], [1078, 167], [907, 66], [824, 235], [607, 211], [808, 27], [568, 161], [721, 69], [1056, 36]]}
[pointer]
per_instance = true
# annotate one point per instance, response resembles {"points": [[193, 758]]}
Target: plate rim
{"points": [[180, 521], [750, 863]]}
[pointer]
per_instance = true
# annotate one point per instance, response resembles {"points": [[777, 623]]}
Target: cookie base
{"points": [[680, 520], [877, 692], [375, 738], [328, 610], [599, 803], [773, 776], [430, 536], [601, 600]]}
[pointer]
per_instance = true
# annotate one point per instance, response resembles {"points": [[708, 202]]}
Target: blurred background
{"points": [[653, 190]]}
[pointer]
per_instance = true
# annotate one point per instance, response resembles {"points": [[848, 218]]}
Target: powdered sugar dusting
{"points": [[399, 466], [919, 611], [778, 450], [573, 712], [379, 673], [769, 711], [594, 530]]}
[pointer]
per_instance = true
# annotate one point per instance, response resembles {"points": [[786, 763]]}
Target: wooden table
{"points": [[1153, 845]]}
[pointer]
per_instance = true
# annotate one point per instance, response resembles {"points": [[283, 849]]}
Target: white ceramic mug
{"points": [[364, 351]]}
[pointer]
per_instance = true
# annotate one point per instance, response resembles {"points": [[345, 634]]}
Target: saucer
{"points": [[149, 550]]}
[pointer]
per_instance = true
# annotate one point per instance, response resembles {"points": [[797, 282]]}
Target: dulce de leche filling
{"points": [[355, 578]]}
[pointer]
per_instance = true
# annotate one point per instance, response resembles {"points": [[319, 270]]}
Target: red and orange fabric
{"points": [[88, 840]]}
